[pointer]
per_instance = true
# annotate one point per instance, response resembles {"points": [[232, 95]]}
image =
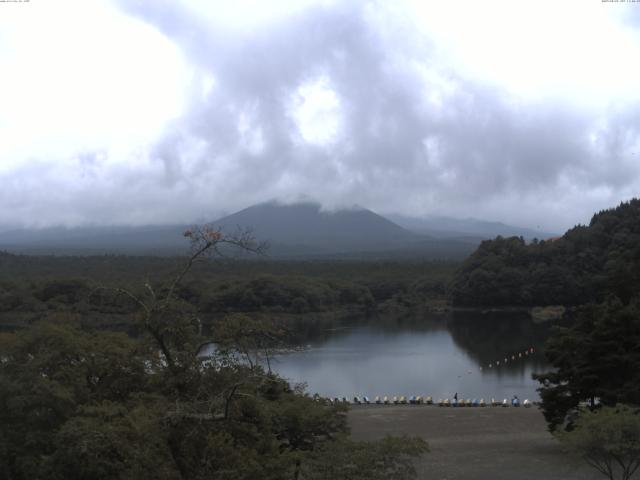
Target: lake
{"points": [[435, 356]]}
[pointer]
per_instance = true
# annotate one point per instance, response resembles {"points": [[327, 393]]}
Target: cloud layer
{"points": [[348, 103]]}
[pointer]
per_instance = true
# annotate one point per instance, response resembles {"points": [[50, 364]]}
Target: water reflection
{"points": [[434, 356]]}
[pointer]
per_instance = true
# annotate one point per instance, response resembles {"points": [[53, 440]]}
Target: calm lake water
{"points": [[435, 356]]}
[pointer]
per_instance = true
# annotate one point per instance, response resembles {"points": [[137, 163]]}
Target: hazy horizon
{"points": [[303, 201], [118, 112]]}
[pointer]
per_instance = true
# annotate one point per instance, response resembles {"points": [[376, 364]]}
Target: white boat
{"points": [[377, 400]]}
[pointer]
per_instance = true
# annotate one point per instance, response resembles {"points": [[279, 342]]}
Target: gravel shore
{"points": [[491, 443]]}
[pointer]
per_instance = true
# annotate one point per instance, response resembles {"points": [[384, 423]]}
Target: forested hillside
{"points": [[36, 288], [88, 404], [584, 265]]}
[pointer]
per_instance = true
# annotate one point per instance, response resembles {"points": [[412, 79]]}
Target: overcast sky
{"points": [[127, 112]]}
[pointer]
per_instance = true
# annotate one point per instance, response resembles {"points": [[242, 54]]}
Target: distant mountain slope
{"points": [[446, 227], [96, 240], [300, 230], [584, 265], [305, 227]]}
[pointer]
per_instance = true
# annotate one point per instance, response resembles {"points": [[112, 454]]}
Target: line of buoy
{"points": [[513, 357]]}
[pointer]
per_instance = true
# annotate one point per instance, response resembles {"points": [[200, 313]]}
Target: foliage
{"points": [[596, 360], [299, 294], [80, 403], [608, 439], [586, 264]]}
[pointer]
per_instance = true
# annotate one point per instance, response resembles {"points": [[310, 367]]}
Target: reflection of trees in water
{"points": [[485, 337], [317, 328], [491, 336], [409, 322]]}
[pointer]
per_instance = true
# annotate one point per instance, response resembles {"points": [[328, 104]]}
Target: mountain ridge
{"points": [[301, 230]]}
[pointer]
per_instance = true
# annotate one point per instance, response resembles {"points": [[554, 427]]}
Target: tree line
{"points": [[86, 403], [586, 264], [33, 288]]}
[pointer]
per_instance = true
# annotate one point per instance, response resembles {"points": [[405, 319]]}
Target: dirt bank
{"points": [[474, 443]]}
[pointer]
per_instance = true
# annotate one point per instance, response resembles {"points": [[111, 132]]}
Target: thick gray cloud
{"points": [[411, 135]]}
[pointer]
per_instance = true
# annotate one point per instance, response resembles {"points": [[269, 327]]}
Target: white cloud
{"points": [[80, 75], [316, 110], [570, 50]]}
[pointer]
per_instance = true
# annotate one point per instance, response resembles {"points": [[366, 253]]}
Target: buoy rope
{"points": [[513, 357]]}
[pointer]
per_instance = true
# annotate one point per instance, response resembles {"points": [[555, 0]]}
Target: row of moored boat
{"points": [[418, 400]]}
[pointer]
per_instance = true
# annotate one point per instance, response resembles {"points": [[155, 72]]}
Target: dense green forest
{"points": [[596, 361], [36, 288], [79, 402], [584, 265]]}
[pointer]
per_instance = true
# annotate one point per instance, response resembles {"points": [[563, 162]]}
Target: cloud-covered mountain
{"points": [[298, 230], [307, 227]]}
